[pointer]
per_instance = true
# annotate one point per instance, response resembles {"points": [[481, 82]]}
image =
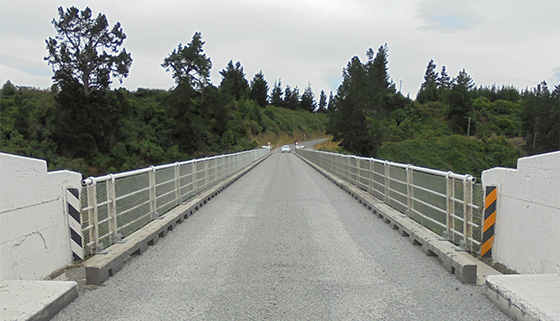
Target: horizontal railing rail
{"points": [[447, 203], [116, 205]]}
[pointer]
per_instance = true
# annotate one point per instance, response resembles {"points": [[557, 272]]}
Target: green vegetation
{"points": [[83, 125], [145, 129], [452, 125], [454, 152]]}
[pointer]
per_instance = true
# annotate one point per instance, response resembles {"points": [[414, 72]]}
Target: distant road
{"points": [[310, 143], [283, 243], [307, 144]]}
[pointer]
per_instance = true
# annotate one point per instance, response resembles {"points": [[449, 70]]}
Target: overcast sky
{"points": [[502, 42]]}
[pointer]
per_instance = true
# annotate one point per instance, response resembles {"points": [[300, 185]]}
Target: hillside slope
{"points": [[142, 128]]}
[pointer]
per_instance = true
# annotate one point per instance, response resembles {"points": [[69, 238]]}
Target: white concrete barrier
{"points": [[34, 237], [527, 230]]}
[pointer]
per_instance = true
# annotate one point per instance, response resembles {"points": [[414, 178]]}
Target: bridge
{"points": [[302, 235]]}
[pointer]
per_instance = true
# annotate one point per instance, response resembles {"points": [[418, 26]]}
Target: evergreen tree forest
{"points": [[452, 125], [84, 123]]}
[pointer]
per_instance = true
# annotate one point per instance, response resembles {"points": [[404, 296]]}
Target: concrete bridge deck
{"points": [[283, 243]]}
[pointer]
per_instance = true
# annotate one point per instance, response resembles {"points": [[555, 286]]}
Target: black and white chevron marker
{"points": [[74, 223]]}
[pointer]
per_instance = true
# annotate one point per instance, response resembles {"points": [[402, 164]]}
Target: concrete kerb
{"points": [[527, 297], [35, 300], [465, 267], [101, 267]]}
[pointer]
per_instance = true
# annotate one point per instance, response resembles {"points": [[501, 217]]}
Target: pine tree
{"points": [[443, 81], [259, 89], [331, 103], [84, 56], [428, 89], [291, 98], [460, 103], [379, 89], [233, 81], [86, 51], [307, 101], [443, 84], [541, 119], [463, 80], [322, 102], [377, 68], [277, 94], [348, 122], [189, 64]]}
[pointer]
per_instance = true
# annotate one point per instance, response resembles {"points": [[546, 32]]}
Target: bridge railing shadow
{"points": [[447, 203], [116, 205]]}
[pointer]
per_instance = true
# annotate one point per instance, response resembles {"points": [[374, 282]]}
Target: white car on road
{"points": [[286, 149]]}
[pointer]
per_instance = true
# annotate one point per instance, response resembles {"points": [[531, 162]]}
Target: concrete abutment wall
{"points": [[527, 230], [34, 237]]}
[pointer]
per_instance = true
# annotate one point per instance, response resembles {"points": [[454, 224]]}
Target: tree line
{"points": [[84, 125], [369, 117]]}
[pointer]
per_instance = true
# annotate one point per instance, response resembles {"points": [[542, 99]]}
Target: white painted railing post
{"points": [[177, 173], [224, 168], [228, 165], [338, 164], [195, 176], [467, 211], [209, 168], [205, 173], [371, 175], [331, 163], [93, 219], [348, 175], [387, 181], [450, 206], [409, 189], [152, 189], [214, 169], [356, 171], [112, 209]]}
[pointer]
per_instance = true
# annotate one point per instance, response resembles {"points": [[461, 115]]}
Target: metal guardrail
{"points": [[447, 203], [116, 205]]}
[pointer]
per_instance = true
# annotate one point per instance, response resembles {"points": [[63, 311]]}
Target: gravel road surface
{"points": [[283, 243]]}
